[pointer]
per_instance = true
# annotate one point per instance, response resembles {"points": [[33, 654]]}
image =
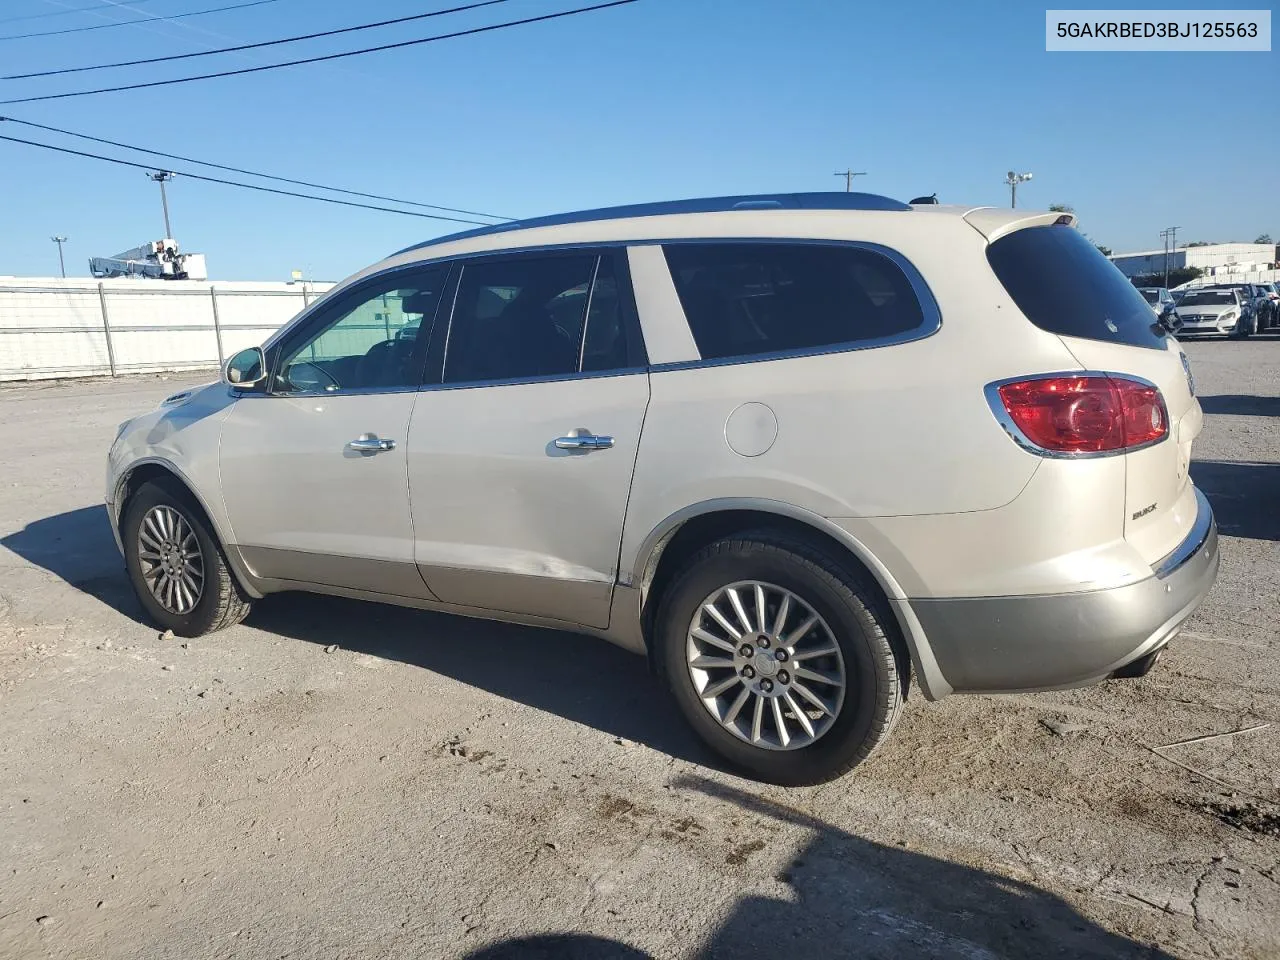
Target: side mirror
{"points": [[1169, 319], [246, 370]]}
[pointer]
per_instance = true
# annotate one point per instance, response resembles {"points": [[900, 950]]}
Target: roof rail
{"points": [[765, 201]]}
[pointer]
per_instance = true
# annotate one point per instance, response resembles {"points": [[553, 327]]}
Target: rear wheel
{"points": [[176, 566], [780, 657]]}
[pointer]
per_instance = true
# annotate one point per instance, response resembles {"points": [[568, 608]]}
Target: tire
{"points": [[1240, 330], [218, 603], [852, 612]]}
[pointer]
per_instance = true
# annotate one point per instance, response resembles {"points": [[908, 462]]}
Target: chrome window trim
{"points": [[930, 324], [992, 393], [548, 378]]}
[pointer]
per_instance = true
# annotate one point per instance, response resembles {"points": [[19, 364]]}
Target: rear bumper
{"points": [[1008, 644]]}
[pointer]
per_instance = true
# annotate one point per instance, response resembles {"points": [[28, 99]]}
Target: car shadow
{"points": [[1245, 496], [1241, 405], [583, 679], [79, 547], [850, 897], [580, 678]]}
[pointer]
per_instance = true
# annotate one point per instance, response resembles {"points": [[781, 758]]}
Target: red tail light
{"points": [[1085, 413]]}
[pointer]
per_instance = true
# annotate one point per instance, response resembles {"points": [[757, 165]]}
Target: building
{"points": [[1224, 262]]}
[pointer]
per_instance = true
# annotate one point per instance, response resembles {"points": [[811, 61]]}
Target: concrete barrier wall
{"points": [[50, 327]]}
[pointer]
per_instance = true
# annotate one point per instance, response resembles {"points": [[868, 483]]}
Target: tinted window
{"points": [[743, 299], [612, 341], [1063, 284], [518, 318], [367, 340]]}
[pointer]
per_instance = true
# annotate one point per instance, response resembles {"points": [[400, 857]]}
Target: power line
{"points": [[248, 173], [247, 46], [62, 13], [125, 23], [331, 56], [247, 186]]}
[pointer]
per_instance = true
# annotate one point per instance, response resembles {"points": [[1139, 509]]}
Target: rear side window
{"points": [[751, 299], [1063, 284]]}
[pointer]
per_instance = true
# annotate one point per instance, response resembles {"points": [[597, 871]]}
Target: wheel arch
{"points": [[685, 532], [153, 469]]}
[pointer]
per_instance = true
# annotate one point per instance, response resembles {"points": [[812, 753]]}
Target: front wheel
{"points": [[781, 657], [176, 566]]}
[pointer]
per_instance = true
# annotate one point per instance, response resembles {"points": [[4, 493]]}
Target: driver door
{"points": [[313, 470]]}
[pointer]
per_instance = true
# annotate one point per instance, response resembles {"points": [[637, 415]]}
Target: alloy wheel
{"points": [[170, 557], [766, 665]]}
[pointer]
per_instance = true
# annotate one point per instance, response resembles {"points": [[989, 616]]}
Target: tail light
{"points": [[1082, 413]]}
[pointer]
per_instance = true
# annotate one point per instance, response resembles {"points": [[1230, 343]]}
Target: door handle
{"points": [[371, 443], [584, 441]]}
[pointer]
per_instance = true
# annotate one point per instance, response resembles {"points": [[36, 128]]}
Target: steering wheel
{"points": [[303, 385]]}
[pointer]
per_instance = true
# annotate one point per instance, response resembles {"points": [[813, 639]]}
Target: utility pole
{"points": [[1013, 179], [162, 177], [1170, 237], [848, 178], [61, 263]]}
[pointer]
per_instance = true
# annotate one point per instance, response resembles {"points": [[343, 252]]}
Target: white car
{"points": [[1159, 298], [794, 449], [1217, 310]]}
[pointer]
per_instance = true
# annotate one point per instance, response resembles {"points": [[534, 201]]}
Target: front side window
{"points": [[372, 340], [749, 299], [519, 318]]}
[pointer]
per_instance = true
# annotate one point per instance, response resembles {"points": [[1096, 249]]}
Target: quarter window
{"points": [[373, 339], [750, 299]]}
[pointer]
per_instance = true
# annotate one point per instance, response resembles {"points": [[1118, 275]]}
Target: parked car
{"points": [[792, 448], [1254, 300], [1269, 310], [1159, 299], [1224, 310]]}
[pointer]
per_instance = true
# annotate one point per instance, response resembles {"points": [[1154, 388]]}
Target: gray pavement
{"points": [[439, 787]]}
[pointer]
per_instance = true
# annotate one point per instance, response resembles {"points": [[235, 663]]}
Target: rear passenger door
{"points": [[521, 452]]}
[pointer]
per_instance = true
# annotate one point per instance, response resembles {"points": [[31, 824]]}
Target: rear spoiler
{"points": [[995, 222]]}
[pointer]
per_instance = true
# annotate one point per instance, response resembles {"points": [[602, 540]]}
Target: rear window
{"points": [[753, 299], [1063, 284]]}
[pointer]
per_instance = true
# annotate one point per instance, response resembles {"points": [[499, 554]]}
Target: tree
{"points": [[1264, 238], [1199, 243], [1104, 250], [1061, 208]]}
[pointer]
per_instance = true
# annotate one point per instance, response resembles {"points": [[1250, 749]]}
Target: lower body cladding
{"points": [[1024, 643]]}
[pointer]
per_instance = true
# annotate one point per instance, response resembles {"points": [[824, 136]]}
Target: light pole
{"points": [[1013, 179], [848, 177], [1170, 237], [161, 177], [61, 263]]}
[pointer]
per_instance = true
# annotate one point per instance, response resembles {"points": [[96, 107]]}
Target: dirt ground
{"points": [[438, 787]]}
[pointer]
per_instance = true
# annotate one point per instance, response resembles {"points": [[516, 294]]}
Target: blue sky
{"points": [[657, 100]]}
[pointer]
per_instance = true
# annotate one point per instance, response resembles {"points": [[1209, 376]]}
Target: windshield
{"points": [[1152, 296], [1209, 298]]}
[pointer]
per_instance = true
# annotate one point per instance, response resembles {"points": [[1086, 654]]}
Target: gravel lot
{"points": [[440, 787]]}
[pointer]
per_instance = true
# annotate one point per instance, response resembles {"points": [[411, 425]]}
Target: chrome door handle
{"points": [[585, 441], [371, 443]]}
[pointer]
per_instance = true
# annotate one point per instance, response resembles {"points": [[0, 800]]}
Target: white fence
{"points": [[70, 328]]}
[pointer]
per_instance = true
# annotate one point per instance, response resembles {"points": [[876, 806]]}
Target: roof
{"points": [[764, 201]]}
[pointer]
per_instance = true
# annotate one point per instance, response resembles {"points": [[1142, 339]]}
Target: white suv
{"points": [[790, 447]]}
